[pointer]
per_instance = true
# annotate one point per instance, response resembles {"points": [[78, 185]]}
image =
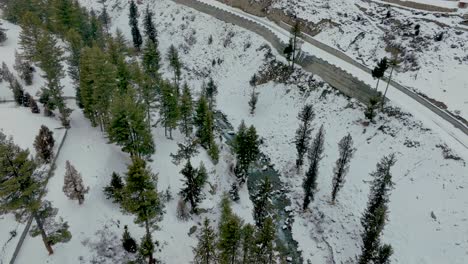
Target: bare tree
{"points": [[73, 186]]}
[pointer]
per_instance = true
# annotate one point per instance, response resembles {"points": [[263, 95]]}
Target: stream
{"points": [[286, 245]]}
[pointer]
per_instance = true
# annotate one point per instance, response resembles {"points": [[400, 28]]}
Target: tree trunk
{"points": [[377, 86], [386, 89], [43, 233]]}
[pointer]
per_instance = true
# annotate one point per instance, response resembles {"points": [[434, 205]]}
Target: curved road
{"points": [[454, 132]]}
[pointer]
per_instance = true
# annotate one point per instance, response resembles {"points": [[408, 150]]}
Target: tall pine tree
{"points": [[303, 136], [315, 155], [347, 150], [205, 251], [133, 22]]}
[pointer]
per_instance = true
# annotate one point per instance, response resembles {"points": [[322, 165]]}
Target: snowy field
{"points": [[425, 183]]}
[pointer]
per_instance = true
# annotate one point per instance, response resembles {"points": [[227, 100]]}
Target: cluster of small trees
{"points": [[21, 97], [138, 195], [235, 242]]}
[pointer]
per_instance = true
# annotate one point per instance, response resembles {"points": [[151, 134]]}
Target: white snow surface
{"points": [[425, 182]]}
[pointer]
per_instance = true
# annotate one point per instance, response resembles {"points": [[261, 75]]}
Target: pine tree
{"points": [[230, 233], [211, 90], [253, 101], [44, 144], [64, 15], [370, 110], [246, 148], [169, 108], [265, 242], [249, 247], [75, 45], [114, 189], [296, 33], [205, 252], [150, 59], [175, 63], [33, 105], [150, 28], [24, 68], [21, 186], [18, 91], [133, 22], [147, 248], [27, 100], [98, 82], [186, 112], [191, 192], [262, 202], [303, 136], [128, 243], [73, 186], [29, 36], [128, 127], [140, 197], [105, 19], [379, 70], [315, 155], [394, 64], [148, 90], [375, 215], [347, 150], [49, 56], [3, 35]]}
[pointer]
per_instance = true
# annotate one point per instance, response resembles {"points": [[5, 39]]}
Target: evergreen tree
{"points": [[64, 15], [205, 252], [33, 105], [148, 90], [370, 110], [98, 81], [150, 28], [128, 243], [211, 90], [49, 56], [75, 45], [150, 59], [265, 242], [128, 127], [18, 91], [186, 112], [262, 202], [379, 70], [394, 64], [95, 31], [114, 189], [253, 101], [117, 47], [375, 215], [175, 64], [73, 186], [191, 192], [347, 150], [29, 36], [27, 100], [315, 155], [24, 68], [246, 148], [3, 35], [169, 108], [296, 33], [44, 144], [230, 232], [147, 248], [133, 22], [140, 197], [201, 112], [249, 247], [303, 136], [20, 185], [105, 19], [186, 150]]}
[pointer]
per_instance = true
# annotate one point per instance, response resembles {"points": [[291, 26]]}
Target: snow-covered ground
{"points": [[425, 182], [362, 31]]}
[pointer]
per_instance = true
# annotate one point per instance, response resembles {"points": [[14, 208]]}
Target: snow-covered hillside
{"points": [[428, 220], [363, 31]]}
